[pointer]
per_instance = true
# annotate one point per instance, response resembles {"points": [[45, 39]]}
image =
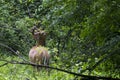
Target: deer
{"points": [[38, 54]]}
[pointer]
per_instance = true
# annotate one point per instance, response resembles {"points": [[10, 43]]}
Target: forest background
{"points": [[83, 37]]}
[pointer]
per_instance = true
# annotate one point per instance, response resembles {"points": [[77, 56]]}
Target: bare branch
{"points": [[100, 61], [3, 64], [62, 70], [15, 52], [103, 59]]}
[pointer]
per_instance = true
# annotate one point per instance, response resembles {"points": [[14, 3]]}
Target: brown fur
{"points": [[39, 54]]}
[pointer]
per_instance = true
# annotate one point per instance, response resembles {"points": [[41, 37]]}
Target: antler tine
{"points": [[33, 29]]}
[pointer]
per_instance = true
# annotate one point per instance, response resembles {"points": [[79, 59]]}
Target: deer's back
{"points": [[39, 55]]}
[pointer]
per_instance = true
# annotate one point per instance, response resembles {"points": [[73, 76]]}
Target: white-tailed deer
{"points": [[39, 54]]}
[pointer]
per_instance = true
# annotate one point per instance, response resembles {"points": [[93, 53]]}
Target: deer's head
{"points": [[38, 34]]}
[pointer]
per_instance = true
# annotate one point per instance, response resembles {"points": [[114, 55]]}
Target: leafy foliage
{"points": [[81, 33]]}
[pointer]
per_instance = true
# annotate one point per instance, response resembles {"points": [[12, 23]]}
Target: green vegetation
{"points": [[83, 37]]}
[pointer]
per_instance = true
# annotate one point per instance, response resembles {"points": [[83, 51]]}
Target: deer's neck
{"points": [[41, 43]]}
